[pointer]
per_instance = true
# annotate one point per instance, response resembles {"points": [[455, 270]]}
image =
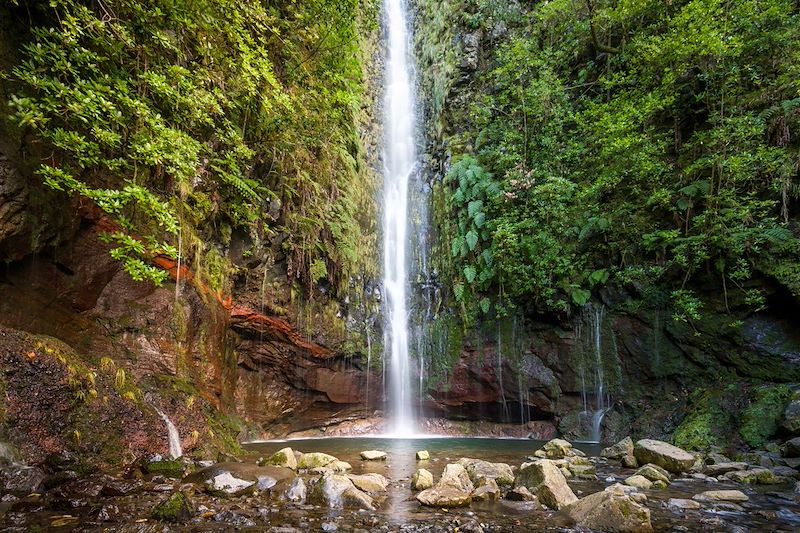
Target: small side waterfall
{"points": [[173, 436], [595, 394], [400, 162]]}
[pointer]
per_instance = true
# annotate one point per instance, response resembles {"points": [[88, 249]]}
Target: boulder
{"points": [[315, 460], [297, 491], [373, 455], [786, 471], [176, 508], [663, 454], [477, 469], [715, 458], [544, 479], [629, 461], [423, 455], [719, 469], [421, 480], [20, 478], [638, 481], [791, 448], [444, 496], [456, 476], [682, 504], [761, 476], [610, 510], [228, 484], [369, 482], [487, 490], [623, 448], [654, 473], [521, 494], [557, 449], [337, 491], [721, 496], [284, 458]]}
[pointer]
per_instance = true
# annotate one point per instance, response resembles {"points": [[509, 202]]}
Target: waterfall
{"points": [[595, 408], [173, 436], [399, 159]]}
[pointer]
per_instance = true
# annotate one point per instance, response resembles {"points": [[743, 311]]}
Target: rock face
{"points": [[610, 510], [544, 479], [663, 454]]}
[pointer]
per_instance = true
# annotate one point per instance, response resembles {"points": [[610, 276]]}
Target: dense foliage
{"points": [[203, 116], [635, 142]]}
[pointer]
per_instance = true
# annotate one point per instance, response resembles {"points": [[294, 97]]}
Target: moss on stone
{"points": [[761, 417], [174, 509], [706, 422], [167, 468]]}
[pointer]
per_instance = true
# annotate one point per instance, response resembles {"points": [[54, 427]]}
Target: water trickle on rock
{"points": [[174, 438], [400, 163]]}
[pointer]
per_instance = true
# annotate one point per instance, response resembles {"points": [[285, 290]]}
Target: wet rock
{"points": [[284, 457], [265, 483], [581, 468], [623, 448], [786, 471], [761, 476], [477, 469], [421, 480], [423, 455], [456, 476], [373, 455], [721, 496], [487, 490], [654, 473], [791, 448], [545, 480], [557, 449], [719, 469], [80, 488], [521, 494], [19, 478], [638, 481], [329, 527], [338, 491], [610, 510], [714, 458], [297, 490], [176, 508], [369, 482], [444, 496], [237, 520], [108, 513], [665, 455], [228, 484], [315, 460], [682, 504], [121, 487]]}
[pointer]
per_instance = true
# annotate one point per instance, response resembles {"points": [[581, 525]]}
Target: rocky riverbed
{"points": [[437, 484]]}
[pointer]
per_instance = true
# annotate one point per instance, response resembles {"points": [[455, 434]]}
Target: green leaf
{"points": [[469, 273], [485, 305], [580, 296], [472, 239], [480, 219], [474, 207]]}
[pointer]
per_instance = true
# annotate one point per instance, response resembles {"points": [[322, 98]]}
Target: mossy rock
{"points": [[171, 469], [709, 420], [176, 508], [761, 417]]}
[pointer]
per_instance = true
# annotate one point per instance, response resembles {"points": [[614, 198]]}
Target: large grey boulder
{"points": [[544, 479], [610, 510], [444, 496], [791, 448], [791, 417], [477, 469], [719, 469], [623, 448], [663, 454]]}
